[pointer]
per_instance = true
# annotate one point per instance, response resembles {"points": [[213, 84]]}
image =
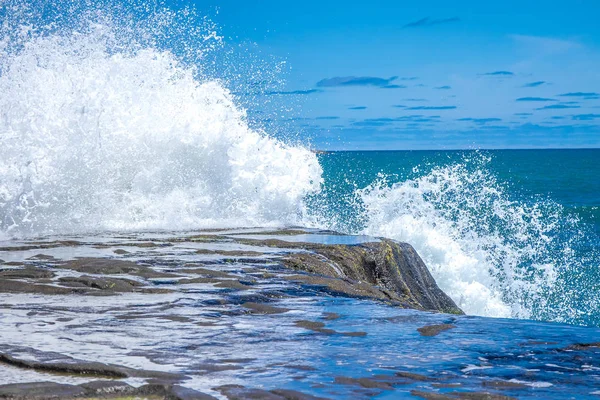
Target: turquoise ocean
{"points": [[519, 229]]}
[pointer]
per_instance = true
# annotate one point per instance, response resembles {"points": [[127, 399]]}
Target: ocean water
{"points": [[117, 118]]}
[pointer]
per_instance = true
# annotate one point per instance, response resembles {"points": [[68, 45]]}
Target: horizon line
{"points": [[461, 149]]}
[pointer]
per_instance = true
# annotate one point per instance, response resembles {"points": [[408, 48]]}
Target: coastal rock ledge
{"points": [[199, 315], [354, 266], [385, 270]]}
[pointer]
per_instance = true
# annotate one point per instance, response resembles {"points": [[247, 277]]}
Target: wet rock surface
{"points": [[261, 314], [384, 270]]}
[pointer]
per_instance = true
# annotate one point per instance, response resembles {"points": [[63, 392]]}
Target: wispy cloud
{"points": [[557, 107], [523, 114], [498, 73], [480, 120], [393, 87], [357, 108], [534, 84], [428, 21], [585, 117], [409, 78], [292, 92], [432, 108], [443, 87], [327, 117], [386, 121], [416, 100], [534, 99], [356, 81], [545, 45], [372, 122], [580, 94]]}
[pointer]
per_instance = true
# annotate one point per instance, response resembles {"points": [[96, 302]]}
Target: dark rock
{"points": [[433, 330], [42, 245], [414, 377], [280, 232], [236, 360], [354, 334], [342, 287], [314, 326], [367, 383], [197, 280], [447, 385], [431, 395], [28, 358], [481, 396], [214, 367], [538, 343], [14, 286], [107, 388], [300, 367], [459, 395], [175, 318], [329, 316], [233, 284], [503, 385], [258, 308], [110, 284], [395, 268], [66, 365], [294, 395], [208, 272], [40, 390], [182, 393], [238, 392], [154, 389], [102, 266], [239, 253], [107, 266], [42, 257], [201, 238], [584, 346], [26, 273]]}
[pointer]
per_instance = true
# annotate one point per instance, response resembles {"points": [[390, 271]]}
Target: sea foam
{"points": [[493, 255]]}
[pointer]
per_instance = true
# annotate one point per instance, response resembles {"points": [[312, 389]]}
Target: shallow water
{"points": [[208, 334]]}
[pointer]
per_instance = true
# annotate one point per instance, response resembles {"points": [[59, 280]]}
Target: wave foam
{"points": [[93, 137], [493, 256]]}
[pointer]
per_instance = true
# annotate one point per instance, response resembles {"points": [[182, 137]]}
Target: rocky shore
{"points": [[381, 269], [231, 314]]}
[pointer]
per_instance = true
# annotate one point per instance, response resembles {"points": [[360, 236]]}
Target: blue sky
{"points": [[428, 74]]}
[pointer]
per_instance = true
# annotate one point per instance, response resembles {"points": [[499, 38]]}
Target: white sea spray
{"points": [[99, 132]]}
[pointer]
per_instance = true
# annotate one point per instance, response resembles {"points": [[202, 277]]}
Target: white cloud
{"points": [[546, 45]]}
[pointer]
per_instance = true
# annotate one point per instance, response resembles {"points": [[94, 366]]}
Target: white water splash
{"points": [[490, 254], [95, 135]]}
